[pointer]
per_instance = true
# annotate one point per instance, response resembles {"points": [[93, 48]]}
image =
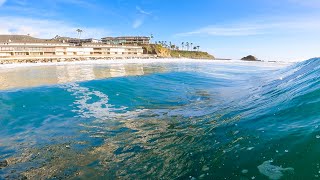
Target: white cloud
{"points": [[258, 28], [81, 3], [141, 11], [142, 16], [45, 28], [2, 2], [309, 3], [223, 31], [137, 23]]}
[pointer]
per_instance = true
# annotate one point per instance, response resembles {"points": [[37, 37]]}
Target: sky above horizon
{"points": [[286, 30]]}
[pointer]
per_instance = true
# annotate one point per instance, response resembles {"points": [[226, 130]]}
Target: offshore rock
{"points": [[249, 58]]}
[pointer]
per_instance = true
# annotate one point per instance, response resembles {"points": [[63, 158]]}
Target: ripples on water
{"points": [[161, 121]]}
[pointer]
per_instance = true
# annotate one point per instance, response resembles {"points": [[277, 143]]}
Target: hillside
{"points": [[167, 53]]}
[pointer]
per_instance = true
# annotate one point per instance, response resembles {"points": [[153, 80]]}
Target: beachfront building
{"points": [[113, 50], [76, 40], [21, 45], [126, 40], [91, 40], [27, 46], [79, 41]]}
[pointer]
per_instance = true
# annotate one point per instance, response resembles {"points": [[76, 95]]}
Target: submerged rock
{"points": [[273, 172], [249, 58], [3, 164]]}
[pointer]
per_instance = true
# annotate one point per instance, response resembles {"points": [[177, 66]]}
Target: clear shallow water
{"points": [[167, 120]]}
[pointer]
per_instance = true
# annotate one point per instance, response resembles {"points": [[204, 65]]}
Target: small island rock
{"points": [[249, 58]]}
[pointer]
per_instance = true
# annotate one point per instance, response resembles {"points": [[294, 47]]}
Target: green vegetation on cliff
{"points": [[191, 54], [163, 52]]}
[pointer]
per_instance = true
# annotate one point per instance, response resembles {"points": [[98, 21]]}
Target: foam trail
{"points": [[95, 104]]}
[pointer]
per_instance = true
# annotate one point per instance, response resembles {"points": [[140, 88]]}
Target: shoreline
{"points": [[110, 61]]}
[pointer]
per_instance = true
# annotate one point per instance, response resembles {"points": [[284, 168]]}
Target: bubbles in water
{"points": [[286, 150], [273, 172], [202, 176], [250, 148], [245, 171], [318, 136], [205, 168]]}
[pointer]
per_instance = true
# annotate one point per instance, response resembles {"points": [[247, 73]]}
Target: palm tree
{"points": [[191, 46], [79, 34], [198, 47], [187, 44], [151, 37], [172, 47], [79, 31], [182, 46]]}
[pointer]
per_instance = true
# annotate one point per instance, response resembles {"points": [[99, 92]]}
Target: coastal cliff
{"points": [[163, 52]]}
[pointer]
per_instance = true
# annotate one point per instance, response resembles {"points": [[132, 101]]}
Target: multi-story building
{"points": [[127, 40], [91, 40], [76, 40], [107, 49], [20, 45]]}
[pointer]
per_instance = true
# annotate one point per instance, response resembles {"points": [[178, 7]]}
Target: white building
{"points": [[20, 45]]}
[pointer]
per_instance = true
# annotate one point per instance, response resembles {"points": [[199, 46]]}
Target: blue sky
{"points": [[269, 29]]}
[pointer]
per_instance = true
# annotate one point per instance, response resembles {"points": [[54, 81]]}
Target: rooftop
{"points": [[128, 37], [23, 39]]}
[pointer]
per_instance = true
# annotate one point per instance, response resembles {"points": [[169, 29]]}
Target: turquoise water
{"points": [[162, 121]]}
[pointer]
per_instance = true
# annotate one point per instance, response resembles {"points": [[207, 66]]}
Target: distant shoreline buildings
{"points": [[28, 49], [26, 46]]}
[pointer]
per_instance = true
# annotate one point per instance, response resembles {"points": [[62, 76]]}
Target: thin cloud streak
{"points": [[2, 2], [137, 23], [257, 28], [307, 3], [80, 3], [141, 11], [45, 28]]}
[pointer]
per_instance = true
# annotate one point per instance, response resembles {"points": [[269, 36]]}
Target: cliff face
{"points": [[157, 50], [167, 53]]}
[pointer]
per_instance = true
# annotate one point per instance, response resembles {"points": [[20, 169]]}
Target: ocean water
{"points": [[172, 120]]}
